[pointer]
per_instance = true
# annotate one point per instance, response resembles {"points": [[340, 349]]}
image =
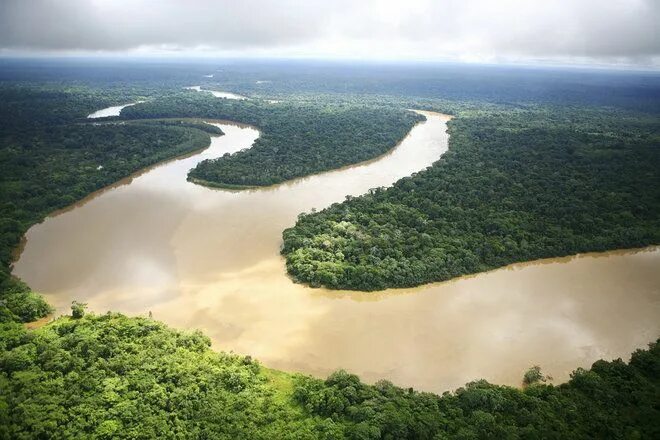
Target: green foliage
{"points": [[189, 123], [515, 185], [533, 376], [78, 309], [298, 138], [110, 376], [39, 105], [612, 400], [519, 183], [19, 303]]}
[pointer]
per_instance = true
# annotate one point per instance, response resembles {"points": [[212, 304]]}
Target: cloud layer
{"points": [[487, 30]]}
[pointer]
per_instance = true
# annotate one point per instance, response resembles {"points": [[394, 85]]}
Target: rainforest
{"points": [[370, 252]]}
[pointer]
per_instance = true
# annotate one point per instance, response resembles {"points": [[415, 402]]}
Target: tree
{"points": [[533, 376], [78, 309]]}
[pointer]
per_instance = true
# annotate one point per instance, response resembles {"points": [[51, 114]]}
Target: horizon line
{"points": [[547, 64]]}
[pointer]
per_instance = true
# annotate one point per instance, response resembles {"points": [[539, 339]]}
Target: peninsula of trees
{"points": [[515, 185], [297, 138]]}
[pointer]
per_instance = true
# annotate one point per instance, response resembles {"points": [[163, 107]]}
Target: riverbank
{"points": [[88, 369], [209, 260], [513, 187], [293, 181]]}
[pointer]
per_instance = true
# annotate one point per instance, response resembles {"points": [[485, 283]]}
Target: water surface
{"points": [[206, 258], [110, 111], [218, 94]]}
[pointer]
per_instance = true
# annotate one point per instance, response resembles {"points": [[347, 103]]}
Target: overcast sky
{"points": [[564, 31]]}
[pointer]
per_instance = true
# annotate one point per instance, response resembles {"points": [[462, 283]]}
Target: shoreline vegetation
{"points": [[220, 185], [512, 266], [75, 129], [514, 186], [297, 138], [198, 123], [51, 161], [112, 376]]}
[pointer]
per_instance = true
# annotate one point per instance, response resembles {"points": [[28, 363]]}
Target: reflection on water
{"points": [[206, 258]]}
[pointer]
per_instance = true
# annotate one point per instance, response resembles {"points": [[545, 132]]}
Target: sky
{"points": [[598, 32]]}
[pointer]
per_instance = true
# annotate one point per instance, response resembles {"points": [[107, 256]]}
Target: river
{"points": [[110, 111], [218, 94], [203, 258]]}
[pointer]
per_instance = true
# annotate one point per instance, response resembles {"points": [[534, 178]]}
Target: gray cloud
{"points": [[612, 30], [127, 24]]}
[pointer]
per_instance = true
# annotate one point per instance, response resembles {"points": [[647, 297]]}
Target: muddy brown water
{"points": [[202, 258]]}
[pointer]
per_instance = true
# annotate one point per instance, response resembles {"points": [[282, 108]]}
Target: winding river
{"points": [[209, 259]]}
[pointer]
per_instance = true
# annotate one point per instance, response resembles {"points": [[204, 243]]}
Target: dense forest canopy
{"points": [[541, 163]]}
